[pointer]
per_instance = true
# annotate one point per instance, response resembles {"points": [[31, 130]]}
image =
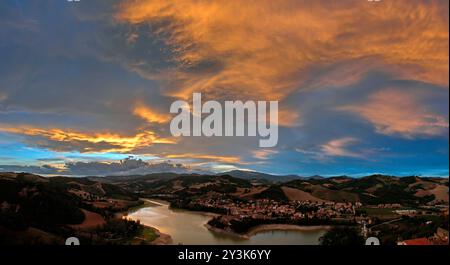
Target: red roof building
{"points": [[423, 241]]}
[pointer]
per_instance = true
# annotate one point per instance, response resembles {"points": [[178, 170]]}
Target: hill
{"points": [[374, 189], [45, 210], [39, 210], [377, 189], [178, 184], [254, 175]]}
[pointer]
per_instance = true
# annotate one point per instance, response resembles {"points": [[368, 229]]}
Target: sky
{"points": [[363, 87]]}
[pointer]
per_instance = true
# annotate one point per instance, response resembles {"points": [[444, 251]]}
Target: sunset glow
{"points": [[362, 87]]}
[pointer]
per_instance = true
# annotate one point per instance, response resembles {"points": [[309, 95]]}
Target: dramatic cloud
{"points": [[65, 140], [127, 166], [146, 113], [270, 48], [396, 112], [362, 86], [45, 169]]}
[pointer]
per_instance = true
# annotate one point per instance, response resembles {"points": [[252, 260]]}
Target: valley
{"points": [[47, 209]]}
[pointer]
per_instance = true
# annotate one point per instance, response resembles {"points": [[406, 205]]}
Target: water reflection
{"points": [[188, 227]]}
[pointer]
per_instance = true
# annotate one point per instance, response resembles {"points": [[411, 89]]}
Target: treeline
{"points": [[187, 205], [115, 231], [342, 236], [243, 225]]}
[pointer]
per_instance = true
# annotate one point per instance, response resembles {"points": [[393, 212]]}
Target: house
{"points": [[406, 212]]}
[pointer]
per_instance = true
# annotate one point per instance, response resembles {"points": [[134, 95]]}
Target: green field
{"points": [[382, 213]]}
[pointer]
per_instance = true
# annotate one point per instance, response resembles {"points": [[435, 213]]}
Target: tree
{"points": [[342, 236]]}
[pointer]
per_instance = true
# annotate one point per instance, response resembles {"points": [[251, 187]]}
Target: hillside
{"points": [[30, 200], [34, 209], [46, 210], [253, 175], [374, 189], [179, 185]]}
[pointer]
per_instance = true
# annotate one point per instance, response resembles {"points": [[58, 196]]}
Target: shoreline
{"points": [[162, 239], [124, 213], [284, 227], [166, 239], [226, 232], [267, 228]]}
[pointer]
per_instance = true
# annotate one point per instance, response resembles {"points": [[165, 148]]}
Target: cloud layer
{"points": [[362, 86], [127, 166]]}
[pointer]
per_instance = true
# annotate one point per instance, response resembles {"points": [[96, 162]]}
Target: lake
{"points": [[188, 227]]}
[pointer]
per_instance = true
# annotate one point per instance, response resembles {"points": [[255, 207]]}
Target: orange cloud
{"points": [[338, 147], [268, 48], [148, 114], [263, 154], [288, 117], [394, 112], [85, 142]]}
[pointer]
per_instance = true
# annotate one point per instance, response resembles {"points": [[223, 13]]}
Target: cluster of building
{"points": [[389, 205], [267, 209]]}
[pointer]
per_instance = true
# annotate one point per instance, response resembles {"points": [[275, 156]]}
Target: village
{"points": [[370, 219], [268, 209]]}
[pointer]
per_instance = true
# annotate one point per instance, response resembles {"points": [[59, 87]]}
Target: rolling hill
{"points": [[377, 189], [254, 175], [41, 210], [374, 189], [48, 209]]}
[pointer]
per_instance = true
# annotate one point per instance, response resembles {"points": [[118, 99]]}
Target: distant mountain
{"points": [[253, 175], [176, 184], [373, 189], [241, 174], [135, 178]]}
